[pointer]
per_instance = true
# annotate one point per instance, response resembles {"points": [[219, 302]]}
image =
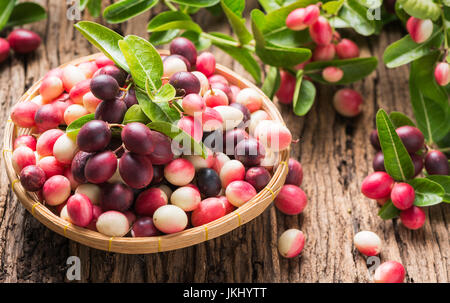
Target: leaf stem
{"points": [[445, 149], [170, 5], [227, 42], [444, 27]]}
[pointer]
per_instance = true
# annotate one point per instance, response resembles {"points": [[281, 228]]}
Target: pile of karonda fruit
{"points": [[124, 178]]}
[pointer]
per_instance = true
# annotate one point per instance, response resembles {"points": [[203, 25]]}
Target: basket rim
{"points": [[142, 245]]}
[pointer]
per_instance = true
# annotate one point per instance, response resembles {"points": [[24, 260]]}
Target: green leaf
{"points": [[443, 181], [233, 10], [272, 82], [399, 119], [6, 8], [160, 38], [94, 7], [199, 41], [406, 50], [354, 69], [422, 9], [427, 192], [432, 112], [105, 40], [127, 9], [165, 94], [269, 5], [288, 38], [304, 95], [397, 161], [388, 211], [74, 127], [272, 54], [355, 15], [197, 3], [135, 114], [243, 56], [144, 61], [332, 7], [172, 20], [26, 12], [83, 4], [371, 3], [151, 109], [180, 136]]}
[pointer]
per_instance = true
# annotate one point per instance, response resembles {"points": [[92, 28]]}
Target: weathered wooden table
{"points": [[336, 156]]}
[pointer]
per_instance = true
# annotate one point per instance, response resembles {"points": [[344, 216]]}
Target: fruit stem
{"points": [[118, 149], [116, 125], [227, 42]]}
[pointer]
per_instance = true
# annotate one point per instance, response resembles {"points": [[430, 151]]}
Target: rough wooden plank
{"points": [[335, 154]]}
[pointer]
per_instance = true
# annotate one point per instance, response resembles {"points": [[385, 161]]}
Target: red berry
{"points": [[377, 185], [24, 41], [413, 217], [291, 200], [285, 93], [441, 73], [403, 195], [347, 49], [419, 30], [324, 52], [332, 74], [411, 137], [321, 32], [389, 272], [4, 50], [436, 163], [348, 102]]}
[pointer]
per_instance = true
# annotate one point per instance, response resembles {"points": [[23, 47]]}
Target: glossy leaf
{"points": [[151, 109], [304, 96], [406, 50], [83, 4], [165, 94], [94, 7], [399, 119], [180, 136], [443, 181], [243, 56], [371, 3], [172, 20], [397, 161], [197, 3], [74, 127], [333, 7], [422, 9], [105, 40], [355, 15], [144, 61], [26, 12], [271, 82], [161, 98], [269, 5], [427, 192], [135, 114], [164, 37], [354, 69], [6, 8], [288, 38], [388, 211], [126, 9], [233, 10]]}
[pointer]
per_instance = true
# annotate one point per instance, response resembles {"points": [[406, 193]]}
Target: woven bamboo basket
{"points": [[129, 245]]}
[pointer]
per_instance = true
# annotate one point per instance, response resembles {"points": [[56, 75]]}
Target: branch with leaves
{"points": [[14, 14]]}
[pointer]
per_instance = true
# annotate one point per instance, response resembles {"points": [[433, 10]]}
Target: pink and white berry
{"points": [[219, 161], [348, 102], [215, 97], [46, 142], [68, 174], [291, 243], [56, 190], [419, 30], [22, 157], [71, 75], [193, 103], [80, 210], [204, 83], [291, 200], [88, 68], [73, 112], [51, 166], [187, 198], [206, 63], [92, 191], [65, 149], [232, 170], [172, 65], [149, 201], [250, 98], [64, 214], [231, 116], [179, 172], [368, 243], [91, 102], [442, 73], [25, 140], [51, 88], [113, 224], [209, 210], [167, 190], [332, 74], [211, 120], [273, 135], [255, 119], [200, 162], [23, 114], [240, 192], [79, 90], [389, 272], [170, 219]]}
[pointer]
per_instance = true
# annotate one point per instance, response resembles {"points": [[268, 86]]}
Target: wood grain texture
{"points": [[335, 154]]}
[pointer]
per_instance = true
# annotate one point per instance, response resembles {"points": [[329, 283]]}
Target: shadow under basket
{"points": [[129, 245]]}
